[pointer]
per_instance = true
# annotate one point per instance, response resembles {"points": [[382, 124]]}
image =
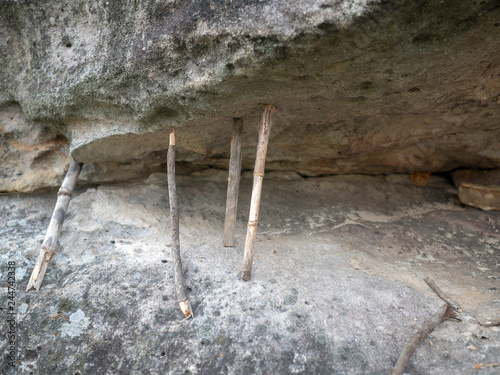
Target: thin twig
{"points": [[479, 366], [441, 295], [49, 245], [258, 177], [446, 312], [490, 323], [180, 289], [233, 183]]}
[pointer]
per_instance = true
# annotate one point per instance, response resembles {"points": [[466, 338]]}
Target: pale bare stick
{"points": [[446, 312], [233, 183], [441, 295], [258, 176], [49, 245], [180, 289]]}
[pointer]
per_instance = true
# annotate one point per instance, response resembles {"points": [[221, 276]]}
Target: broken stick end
{"points": [[36, 273], [34, 284], [31, 283], [37, 288], [228, 243], [172, 137], [245, 275], [186, 309]]}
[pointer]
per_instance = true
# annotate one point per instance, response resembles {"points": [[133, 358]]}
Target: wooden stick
{"points": [[233, 183], [180, 289], [490, 323], [258, 176], [479, 366], [446, 312], [441, 295], [49, 245]]}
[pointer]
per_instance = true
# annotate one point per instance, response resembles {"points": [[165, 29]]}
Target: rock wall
{"points": [[32, 156], [361, 86]]}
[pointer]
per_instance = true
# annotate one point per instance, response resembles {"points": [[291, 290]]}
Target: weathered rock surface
{"points": [[361, 86], [31, 156], [474, 176], [337, 285], [484, 197], [478, 188]]}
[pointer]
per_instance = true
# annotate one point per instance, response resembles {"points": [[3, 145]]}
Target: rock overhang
{"points": [[361, 87]]}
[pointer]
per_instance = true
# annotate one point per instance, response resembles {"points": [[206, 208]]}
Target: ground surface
{"points": [[336, 287]]}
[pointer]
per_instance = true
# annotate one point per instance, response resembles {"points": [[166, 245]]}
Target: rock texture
{"points": [[337, 283], [484, 197], [361, 86], [474, 176], [478, 188], [32, 156]]}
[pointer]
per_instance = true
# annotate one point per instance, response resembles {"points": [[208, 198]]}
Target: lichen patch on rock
{"points": [[77, 325]]}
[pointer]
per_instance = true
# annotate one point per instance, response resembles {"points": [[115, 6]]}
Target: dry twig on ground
{"points": [[446, 312], [479, 366], [490, 323], [441, 294]]}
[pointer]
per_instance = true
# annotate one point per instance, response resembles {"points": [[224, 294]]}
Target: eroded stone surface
{"points": [[337, 284], [361, 86], [31, 156], [484, 197], [474, 176]]}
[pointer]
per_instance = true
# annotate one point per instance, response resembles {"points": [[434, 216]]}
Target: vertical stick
{"points": [[258, 177], [49, 245], [180, 290], [233, 183]]}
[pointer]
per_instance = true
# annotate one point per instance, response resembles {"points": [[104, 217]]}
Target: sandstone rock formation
{"points": [[361, 86], [337, 285], [32, 156], [478, 188]]}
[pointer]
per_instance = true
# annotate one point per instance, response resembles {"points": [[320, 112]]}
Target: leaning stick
{"points": [[233, 183], [180, 290], [49, 245], [441, 294], [446, 312], [258, 177]]}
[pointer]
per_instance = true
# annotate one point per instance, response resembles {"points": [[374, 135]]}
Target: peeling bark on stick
{"points": [[258, 177], [446, 312], [180, 289], [47, 251], [233, 183]]}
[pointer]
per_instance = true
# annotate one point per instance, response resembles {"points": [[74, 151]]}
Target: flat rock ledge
{"points": [[337, 284]]}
